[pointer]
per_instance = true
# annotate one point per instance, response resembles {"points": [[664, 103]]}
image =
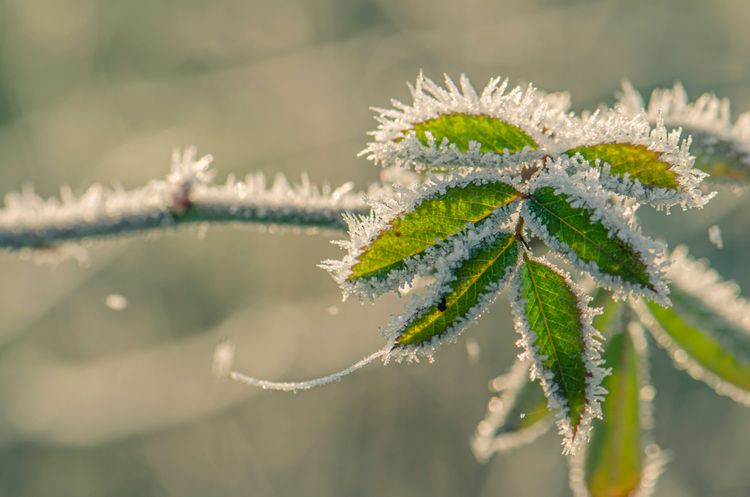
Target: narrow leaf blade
{"points": [[707, 329], [457, 303], [614, 456], [621, 460], [554, 322]]}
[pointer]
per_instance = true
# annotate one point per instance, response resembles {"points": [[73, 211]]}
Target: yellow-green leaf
{"points": [[640, 163]]}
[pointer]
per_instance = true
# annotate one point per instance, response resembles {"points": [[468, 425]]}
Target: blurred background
{"points": [[95, 401]]}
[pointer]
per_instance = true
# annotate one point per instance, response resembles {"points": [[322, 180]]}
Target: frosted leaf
{"points": [[406, 234], [594, 230], [707, 331], [467, 281], [722, 148], [553, 319], [650, 141], [461, 127], [621, 458]]}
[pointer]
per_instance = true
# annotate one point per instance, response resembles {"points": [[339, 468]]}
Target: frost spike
{"points": [[554, 321]]}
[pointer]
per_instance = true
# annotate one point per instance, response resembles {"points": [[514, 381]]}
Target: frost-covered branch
{"points": [[186, 196]]}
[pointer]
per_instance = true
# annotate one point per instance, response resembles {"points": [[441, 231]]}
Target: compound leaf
{"points": [[477, 280], [555, 326]]}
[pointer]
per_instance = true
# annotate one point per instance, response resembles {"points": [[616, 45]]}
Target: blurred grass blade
{"points": [[555, 325], [636, 161], [707, 329], [614, 456], [517, 416], [458, 302], [621, 460]]}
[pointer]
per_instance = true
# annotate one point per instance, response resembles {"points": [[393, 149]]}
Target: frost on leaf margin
{"points": [[515, 417], [405, 235], [594, 230], [637, 158], [452, 127], [554, 321], [707, 333], [467, 281], [722, 148]]}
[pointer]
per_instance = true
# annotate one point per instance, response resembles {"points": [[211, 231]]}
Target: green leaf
{"points": [[614, 459], [433, 220], [638, 161], [477, 280], [559, 338], [460, 129], [701, 337], [721, 159], [576, 233]]}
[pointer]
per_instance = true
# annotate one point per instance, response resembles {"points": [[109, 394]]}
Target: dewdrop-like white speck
{"points": [[572, 439], [294, 386], [223, 360], [721, 297], [116, 302], [460, 250], [472, 350], [653, 459], [714, 236], [396, 143], [28, 220], [708, 119], [488, 438], [619, 126], [363, 230], [585, 191]]}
